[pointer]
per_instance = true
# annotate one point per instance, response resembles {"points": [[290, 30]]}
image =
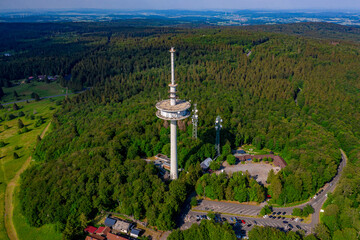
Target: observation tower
{"points": [[172, 110]]}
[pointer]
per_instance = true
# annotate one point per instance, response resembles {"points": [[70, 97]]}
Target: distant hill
{"points": [[321, 30]]}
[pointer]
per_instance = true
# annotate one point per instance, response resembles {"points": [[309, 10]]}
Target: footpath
{"points": [[10, 188]]}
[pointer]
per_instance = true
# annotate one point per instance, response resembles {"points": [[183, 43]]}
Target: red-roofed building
{"points": [[111, 236], [278, 161], [94, 237], [103, 231], [90, 229]]}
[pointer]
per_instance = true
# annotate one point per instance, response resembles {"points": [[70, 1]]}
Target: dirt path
{"points": [[9, 207]]}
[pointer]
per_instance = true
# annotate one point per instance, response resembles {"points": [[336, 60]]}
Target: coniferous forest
{"points": [[296, 95]]}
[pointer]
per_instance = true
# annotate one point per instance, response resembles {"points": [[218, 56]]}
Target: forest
{"points": [[239, 187], [297, 96]]}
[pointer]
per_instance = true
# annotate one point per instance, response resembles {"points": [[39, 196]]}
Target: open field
{"points": [[24, 90], [23, 144]]}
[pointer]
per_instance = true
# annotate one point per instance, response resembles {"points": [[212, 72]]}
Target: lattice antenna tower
{"points": [[218, 127], [195, 119]]}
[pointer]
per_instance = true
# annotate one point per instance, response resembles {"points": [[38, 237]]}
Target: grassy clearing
{"points": [[251, 149], [24, 90], [23, 144]]}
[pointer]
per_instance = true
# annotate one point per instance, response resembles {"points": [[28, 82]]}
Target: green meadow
{"points": [[35, 116], [25, 90]]}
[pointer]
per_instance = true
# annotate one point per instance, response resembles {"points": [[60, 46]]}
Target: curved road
{"points": [[250, 212]]}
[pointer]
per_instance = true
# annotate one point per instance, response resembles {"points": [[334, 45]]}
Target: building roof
{"points": [[240, 151], [263, 156], [244, 157], [90, 229], [135, 232], [109, 222], [122, 226], [278, 161], [162, 157], [103, 230], [112, 236], [206, 163], [94, 237]]}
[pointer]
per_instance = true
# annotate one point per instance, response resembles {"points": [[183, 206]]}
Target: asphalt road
{"points": [[249, 213]]}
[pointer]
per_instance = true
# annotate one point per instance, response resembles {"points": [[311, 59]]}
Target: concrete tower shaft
{"points": [[173, 150]]}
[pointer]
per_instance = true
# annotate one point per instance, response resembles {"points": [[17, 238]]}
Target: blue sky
{"points": [[182, 4]]}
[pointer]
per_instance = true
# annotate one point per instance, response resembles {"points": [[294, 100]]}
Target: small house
{"points": [[166, 165], [279, 162], [112, 236], [94, 237], [162, 157], [90, 229], [135, 233], [122, 226], [102, 231], [109, 222], [240, 151], [206, 163]]}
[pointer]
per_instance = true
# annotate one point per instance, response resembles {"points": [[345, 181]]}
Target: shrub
{"points": [[215, 165], [20, 124], [265, 210], [15, 107], [193, 201], [2, 144], [308, 209], [231, 159], [297, 212], [16, 156]]}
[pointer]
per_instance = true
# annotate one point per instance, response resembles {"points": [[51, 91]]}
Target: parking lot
{"points": [[242, 225], [259, 171]]}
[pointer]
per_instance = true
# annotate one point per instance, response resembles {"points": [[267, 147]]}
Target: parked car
{"points": [[243, 221]]}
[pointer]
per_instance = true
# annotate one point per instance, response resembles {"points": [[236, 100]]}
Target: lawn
{"points": [[25, 90], [23, 144], [251, 149]]}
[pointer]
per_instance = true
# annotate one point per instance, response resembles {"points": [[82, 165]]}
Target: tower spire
{"points": [[172, 85]]}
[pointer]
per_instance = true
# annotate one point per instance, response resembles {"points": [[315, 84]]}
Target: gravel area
{"points": [[259, 171]]}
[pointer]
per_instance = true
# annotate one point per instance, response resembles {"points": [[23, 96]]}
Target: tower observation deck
{"points": [[173, 109]]}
